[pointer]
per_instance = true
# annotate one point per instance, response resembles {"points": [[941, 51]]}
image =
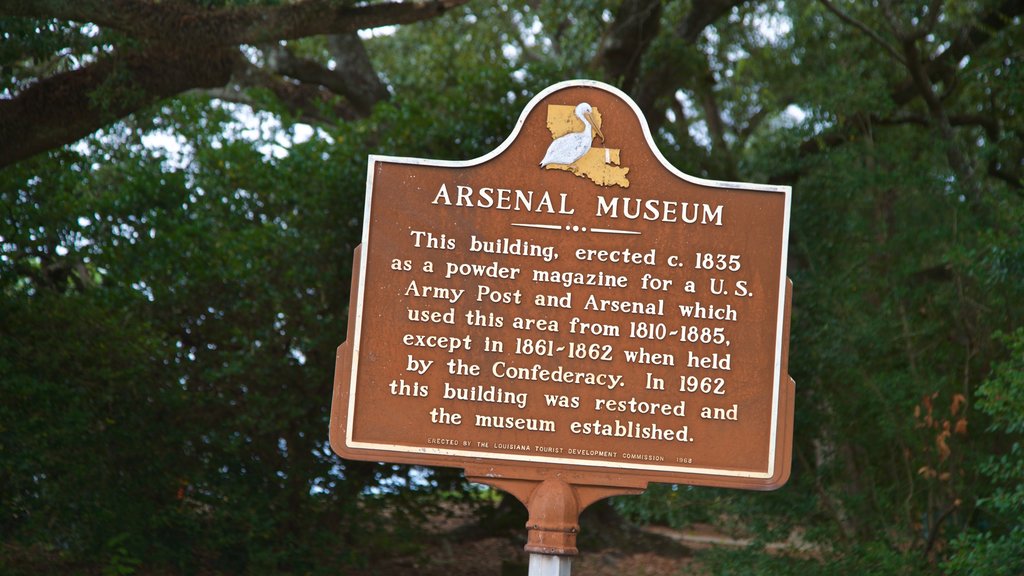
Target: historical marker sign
{"points": [[572, 302]]}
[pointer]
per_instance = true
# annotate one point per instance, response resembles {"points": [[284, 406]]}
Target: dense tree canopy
{"points": [[182, 190]]}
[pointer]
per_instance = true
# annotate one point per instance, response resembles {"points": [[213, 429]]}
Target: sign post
{"points": [[542, 565], [568, 318]]}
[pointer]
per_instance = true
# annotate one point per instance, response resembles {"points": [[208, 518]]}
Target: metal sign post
{"points": [[543, 565], [569, 318]]}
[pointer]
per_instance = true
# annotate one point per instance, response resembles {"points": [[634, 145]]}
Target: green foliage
{"points": [[998, 548], [869, 559], [121, 562], [31, 49], [664, 504], [192, 373], [1002, 395]]}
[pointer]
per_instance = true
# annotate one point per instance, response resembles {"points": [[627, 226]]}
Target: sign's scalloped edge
{"points": [[583, 83]]}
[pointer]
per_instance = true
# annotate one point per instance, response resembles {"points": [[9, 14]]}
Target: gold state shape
{"points": [[599, 165]]}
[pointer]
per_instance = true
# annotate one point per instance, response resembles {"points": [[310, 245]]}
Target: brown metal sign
{"points": [[570, 303]]}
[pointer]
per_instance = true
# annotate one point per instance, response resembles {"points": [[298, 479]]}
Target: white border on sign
{"points": [[533, 458]]}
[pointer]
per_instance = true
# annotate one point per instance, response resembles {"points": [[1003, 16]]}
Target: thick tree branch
{"points": [[364, 87], [703, 14], [312, 78], [61, 109], [180, 46], [187, 24], [306, 100], [353, 77]]}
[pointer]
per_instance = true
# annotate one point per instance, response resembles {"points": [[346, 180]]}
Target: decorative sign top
{"points": [[570, 302]]}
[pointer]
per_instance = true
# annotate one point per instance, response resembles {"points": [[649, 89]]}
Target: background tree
{"points": [[73, 67], [183, 192]]}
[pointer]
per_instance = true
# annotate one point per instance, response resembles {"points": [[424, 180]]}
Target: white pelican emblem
{"points": [[571, 147]]}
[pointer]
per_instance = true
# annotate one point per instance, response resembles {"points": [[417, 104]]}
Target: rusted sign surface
{"points": [[570, 302]]}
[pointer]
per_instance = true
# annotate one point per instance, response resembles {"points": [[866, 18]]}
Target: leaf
{"points": [[961, 427], [940, 443], [958, 401]]}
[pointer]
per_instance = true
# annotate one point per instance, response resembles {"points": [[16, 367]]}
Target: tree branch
{"points": [[660, 81], [181, 46], [627, 40], [703, 14], [186, 24], [989, 124], [960, 164], [64, 108], [944, 65], [865, 29], [364, 88], [707, 99], [753, 123], [1012, 178], [353, 76], [307, 101]]}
